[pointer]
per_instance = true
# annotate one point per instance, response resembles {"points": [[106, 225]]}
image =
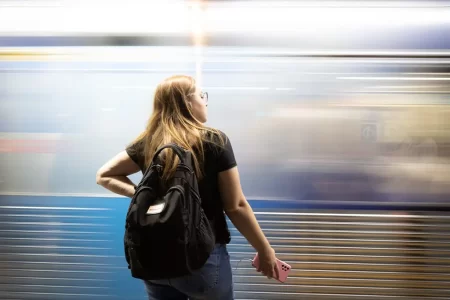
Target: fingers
{"points": [[276, 271], [265, 271], [271, 272]]}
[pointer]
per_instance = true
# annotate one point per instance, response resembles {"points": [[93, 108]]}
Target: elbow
{"points": [[238, 207], [100, 178]]}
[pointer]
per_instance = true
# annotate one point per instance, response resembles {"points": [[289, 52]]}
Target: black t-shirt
{"points": [[217, 159]]}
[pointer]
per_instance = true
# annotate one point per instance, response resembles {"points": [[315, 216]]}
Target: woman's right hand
{"points": [[268, 263]]}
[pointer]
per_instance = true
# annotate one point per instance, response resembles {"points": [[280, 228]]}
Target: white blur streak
{"points": [[90, 17], [313, 19], [197, 16], [397, 78], [173, 17]]}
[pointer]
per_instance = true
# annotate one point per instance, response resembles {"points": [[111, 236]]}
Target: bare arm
{"points": [[239, 211], [113, 174], [241, 215]]}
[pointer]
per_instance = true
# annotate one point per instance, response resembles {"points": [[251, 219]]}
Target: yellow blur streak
{"points": [[20, 55]]}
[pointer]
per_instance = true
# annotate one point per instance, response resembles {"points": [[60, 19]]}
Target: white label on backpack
{"points": [[155, 209]]}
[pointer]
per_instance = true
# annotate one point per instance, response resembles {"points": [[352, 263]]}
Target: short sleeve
{"points": [[136, 153], [226, 159]]}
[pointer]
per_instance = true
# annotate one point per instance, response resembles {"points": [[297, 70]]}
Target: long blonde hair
{"points": [[172, 121]]}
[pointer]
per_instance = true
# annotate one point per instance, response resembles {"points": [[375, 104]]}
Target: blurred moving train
{"points": [[343, 151]]}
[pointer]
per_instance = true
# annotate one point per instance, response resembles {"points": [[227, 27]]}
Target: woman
{"points": [[180, 109]]}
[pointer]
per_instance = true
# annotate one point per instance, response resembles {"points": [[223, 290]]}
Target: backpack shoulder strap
{"points": [[177, 149]]}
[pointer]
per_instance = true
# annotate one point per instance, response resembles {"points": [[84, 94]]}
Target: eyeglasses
{"points": [[204, 96]]}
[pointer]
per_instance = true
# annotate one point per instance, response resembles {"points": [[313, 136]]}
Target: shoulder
{"points": [[135, 147], [216, 140], [217, 136], [135, 151], [220, 146]]}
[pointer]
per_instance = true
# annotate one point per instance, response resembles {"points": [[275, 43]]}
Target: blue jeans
{"points": [[214, 281]]}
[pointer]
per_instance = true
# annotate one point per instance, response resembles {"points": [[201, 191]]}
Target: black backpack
{"points": [[167, 233]]}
